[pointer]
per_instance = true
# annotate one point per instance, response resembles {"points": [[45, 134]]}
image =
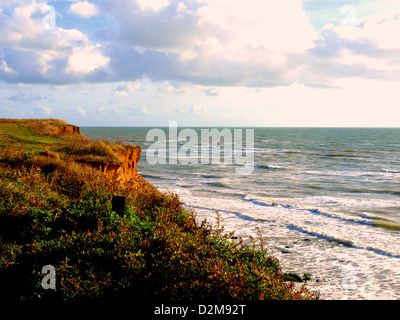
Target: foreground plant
{"points": [[56, 209]]}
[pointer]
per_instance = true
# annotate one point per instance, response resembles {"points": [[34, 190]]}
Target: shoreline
{"points": [[62, 186], [338, 273], [361, 265], [336, 209]]}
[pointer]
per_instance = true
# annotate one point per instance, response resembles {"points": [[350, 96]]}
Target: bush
{"points": [[55, 211]]}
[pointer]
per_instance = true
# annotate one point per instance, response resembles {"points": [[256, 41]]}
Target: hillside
{"points": [[56, 191]]}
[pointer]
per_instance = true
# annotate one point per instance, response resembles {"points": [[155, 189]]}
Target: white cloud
{"points": [[82, 112], [182, 111], [369, 50], [220, 114], [4, 67], [279, 26], [86, 59], [129, 86], [133, 110], [153, 4], [121, 94], [133, 86], [212, 91], [44, 110], [203, 42], [20, 29], [198, 110], [84, 9], [101, 111], [376, 29], [188, 55], [167, 110], [176, 88], [47, 50], [125, 87], [146, 110], [212, 42]]}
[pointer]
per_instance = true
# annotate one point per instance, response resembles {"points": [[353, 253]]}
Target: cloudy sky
{"points": [[202, 62]]}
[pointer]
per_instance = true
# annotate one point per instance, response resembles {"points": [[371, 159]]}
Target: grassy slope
{"points": [[21, 135], [56, 209]]}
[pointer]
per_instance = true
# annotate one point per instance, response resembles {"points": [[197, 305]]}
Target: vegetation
{"points": [[56, 209]]}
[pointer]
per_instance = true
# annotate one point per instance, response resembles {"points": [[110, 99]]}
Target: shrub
{"points": [[56, 210]]}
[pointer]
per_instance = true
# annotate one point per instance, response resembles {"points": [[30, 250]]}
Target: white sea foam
{"points": [[333, 245], [326, 201]]}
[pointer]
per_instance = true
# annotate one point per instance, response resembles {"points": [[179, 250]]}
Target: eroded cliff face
{"points": [[67, 130], [130, 157], [126, 172]]}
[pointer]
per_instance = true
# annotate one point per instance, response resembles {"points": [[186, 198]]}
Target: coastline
{"points": [[321, 198], [62, 217]]}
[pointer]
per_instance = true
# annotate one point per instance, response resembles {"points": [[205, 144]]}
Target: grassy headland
{"points": [[56, 189]]}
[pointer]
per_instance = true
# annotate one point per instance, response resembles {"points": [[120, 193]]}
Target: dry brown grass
{"points": [[40, 126], [39, 136], [97, 153], [56, 210]]}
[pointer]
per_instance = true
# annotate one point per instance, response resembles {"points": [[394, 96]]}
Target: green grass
{"points": [[57, 211], [24, 137]]}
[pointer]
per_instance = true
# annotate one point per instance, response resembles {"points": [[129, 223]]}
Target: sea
{"points": [[326, 201]]}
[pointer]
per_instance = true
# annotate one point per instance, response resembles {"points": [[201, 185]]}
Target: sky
{"points": [[207, 63]]}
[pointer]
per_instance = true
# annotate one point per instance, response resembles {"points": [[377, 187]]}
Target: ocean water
{"points": [[327, 201]]}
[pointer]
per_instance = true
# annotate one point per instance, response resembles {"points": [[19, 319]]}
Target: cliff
{"points": [[126, 172], [56, 211], [55, 141], [66, 130], [130, 157]]}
